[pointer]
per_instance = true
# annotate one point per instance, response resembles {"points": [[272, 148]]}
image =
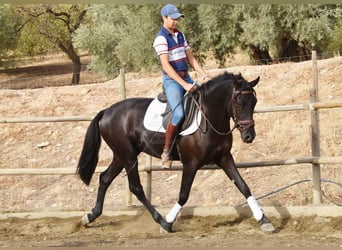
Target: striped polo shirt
{"points": [[173, 45]]}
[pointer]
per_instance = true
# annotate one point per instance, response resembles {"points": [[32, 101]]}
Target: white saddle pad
{"points": [[153, 119]]}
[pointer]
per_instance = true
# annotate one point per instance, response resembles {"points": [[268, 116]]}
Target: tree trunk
{"points": [[260, 56], [76, 61], [76, 65], [76, 72], [289, 50]]}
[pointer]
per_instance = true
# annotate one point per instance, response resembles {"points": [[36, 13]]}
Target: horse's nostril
{"points": [[248, 138]]}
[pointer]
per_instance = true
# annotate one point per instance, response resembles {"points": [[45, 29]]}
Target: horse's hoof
{"points": [[166, 228], [85, 220], [267, 227], [163, 231]]}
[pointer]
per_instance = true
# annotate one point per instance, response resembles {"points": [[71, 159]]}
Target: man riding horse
{"points": [[174, 54]]}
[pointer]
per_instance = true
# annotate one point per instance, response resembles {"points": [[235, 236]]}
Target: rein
{"points": [[239, 124]]}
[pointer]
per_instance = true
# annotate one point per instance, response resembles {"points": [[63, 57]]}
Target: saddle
{"points": [[190, 110], [158, 113]]}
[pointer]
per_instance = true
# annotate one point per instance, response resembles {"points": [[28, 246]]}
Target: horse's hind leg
{"points": [[137, 189], [229, 167], [106, 179]]}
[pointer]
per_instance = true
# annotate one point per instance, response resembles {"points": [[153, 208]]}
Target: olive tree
{"points": [[46, 26]]}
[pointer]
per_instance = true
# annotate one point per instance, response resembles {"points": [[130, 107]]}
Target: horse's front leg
{"points": [[187, 180], [228, 165]]}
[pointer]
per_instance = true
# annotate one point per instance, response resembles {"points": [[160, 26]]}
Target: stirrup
{"points": [[165, 160]]}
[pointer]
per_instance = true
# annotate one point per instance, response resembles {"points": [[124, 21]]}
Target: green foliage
{"points": [[43, 27], [336, 37], [276, 26], [130, 30], [312, 26], [101, 36], [192, 28], [135, 49], [7, 33], [121, 35], [259, 27], [220, 29]]}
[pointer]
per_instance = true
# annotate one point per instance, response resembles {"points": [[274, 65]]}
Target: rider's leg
{"points": [[174, 93]]}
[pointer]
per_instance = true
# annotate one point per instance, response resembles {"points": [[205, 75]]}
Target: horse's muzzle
{"points": [[248, 136], [246, 128]]}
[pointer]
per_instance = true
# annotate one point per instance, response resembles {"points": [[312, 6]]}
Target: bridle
{"points": [[241, 125]]}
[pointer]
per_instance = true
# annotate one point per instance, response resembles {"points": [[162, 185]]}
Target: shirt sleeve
{"points": [[160, 45]]}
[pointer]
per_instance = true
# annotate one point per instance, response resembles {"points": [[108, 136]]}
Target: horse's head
{"points": [[243, 104]]}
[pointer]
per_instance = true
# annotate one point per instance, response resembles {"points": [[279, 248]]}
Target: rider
{"points": [[174, 54]]}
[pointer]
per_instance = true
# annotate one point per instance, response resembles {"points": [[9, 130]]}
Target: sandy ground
{"points": [[141, 231], [279, 136]]}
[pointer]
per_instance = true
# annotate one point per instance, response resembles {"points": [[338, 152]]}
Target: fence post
{"points": [[315, 146], [122, 83], [149, 177], [123, 96]]}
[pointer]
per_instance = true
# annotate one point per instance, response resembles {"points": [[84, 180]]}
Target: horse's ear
{"points": [[255, 82]]}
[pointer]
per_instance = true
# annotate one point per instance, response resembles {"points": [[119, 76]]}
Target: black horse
{"points": [[121, 126]]}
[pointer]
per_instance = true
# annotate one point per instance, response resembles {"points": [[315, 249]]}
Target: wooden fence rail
{"points": [[146, 168]]}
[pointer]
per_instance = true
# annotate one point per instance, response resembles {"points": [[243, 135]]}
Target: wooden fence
{"points": [[315, 159]]}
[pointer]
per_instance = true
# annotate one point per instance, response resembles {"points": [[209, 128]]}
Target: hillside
{"points": [[279, 136]]}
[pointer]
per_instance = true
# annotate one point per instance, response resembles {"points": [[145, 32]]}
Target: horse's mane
{"points": [[225, 76], [222, 77]]}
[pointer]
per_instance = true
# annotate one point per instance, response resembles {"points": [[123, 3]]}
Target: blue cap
{"points": [[171, 11]]}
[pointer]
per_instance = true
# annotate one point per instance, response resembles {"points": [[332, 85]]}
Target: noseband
{"points": [[241, 124]]}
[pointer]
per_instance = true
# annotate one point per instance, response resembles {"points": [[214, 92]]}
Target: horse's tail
{"points": [[91, 146]]}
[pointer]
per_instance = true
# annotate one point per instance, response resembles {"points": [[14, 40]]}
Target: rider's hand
{"points": [[205, 79], [189, 87]]}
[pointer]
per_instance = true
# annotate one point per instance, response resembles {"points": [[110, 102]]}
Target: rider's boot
{"points": [[170, 134]]}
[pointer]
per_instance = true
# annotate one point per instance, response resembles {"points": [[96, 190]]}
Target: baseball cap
{"points": [[171, 11]]}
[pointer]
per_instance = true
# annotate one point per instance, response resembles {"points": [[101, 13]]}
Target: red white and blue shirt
{"points": [[173, 45]]}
